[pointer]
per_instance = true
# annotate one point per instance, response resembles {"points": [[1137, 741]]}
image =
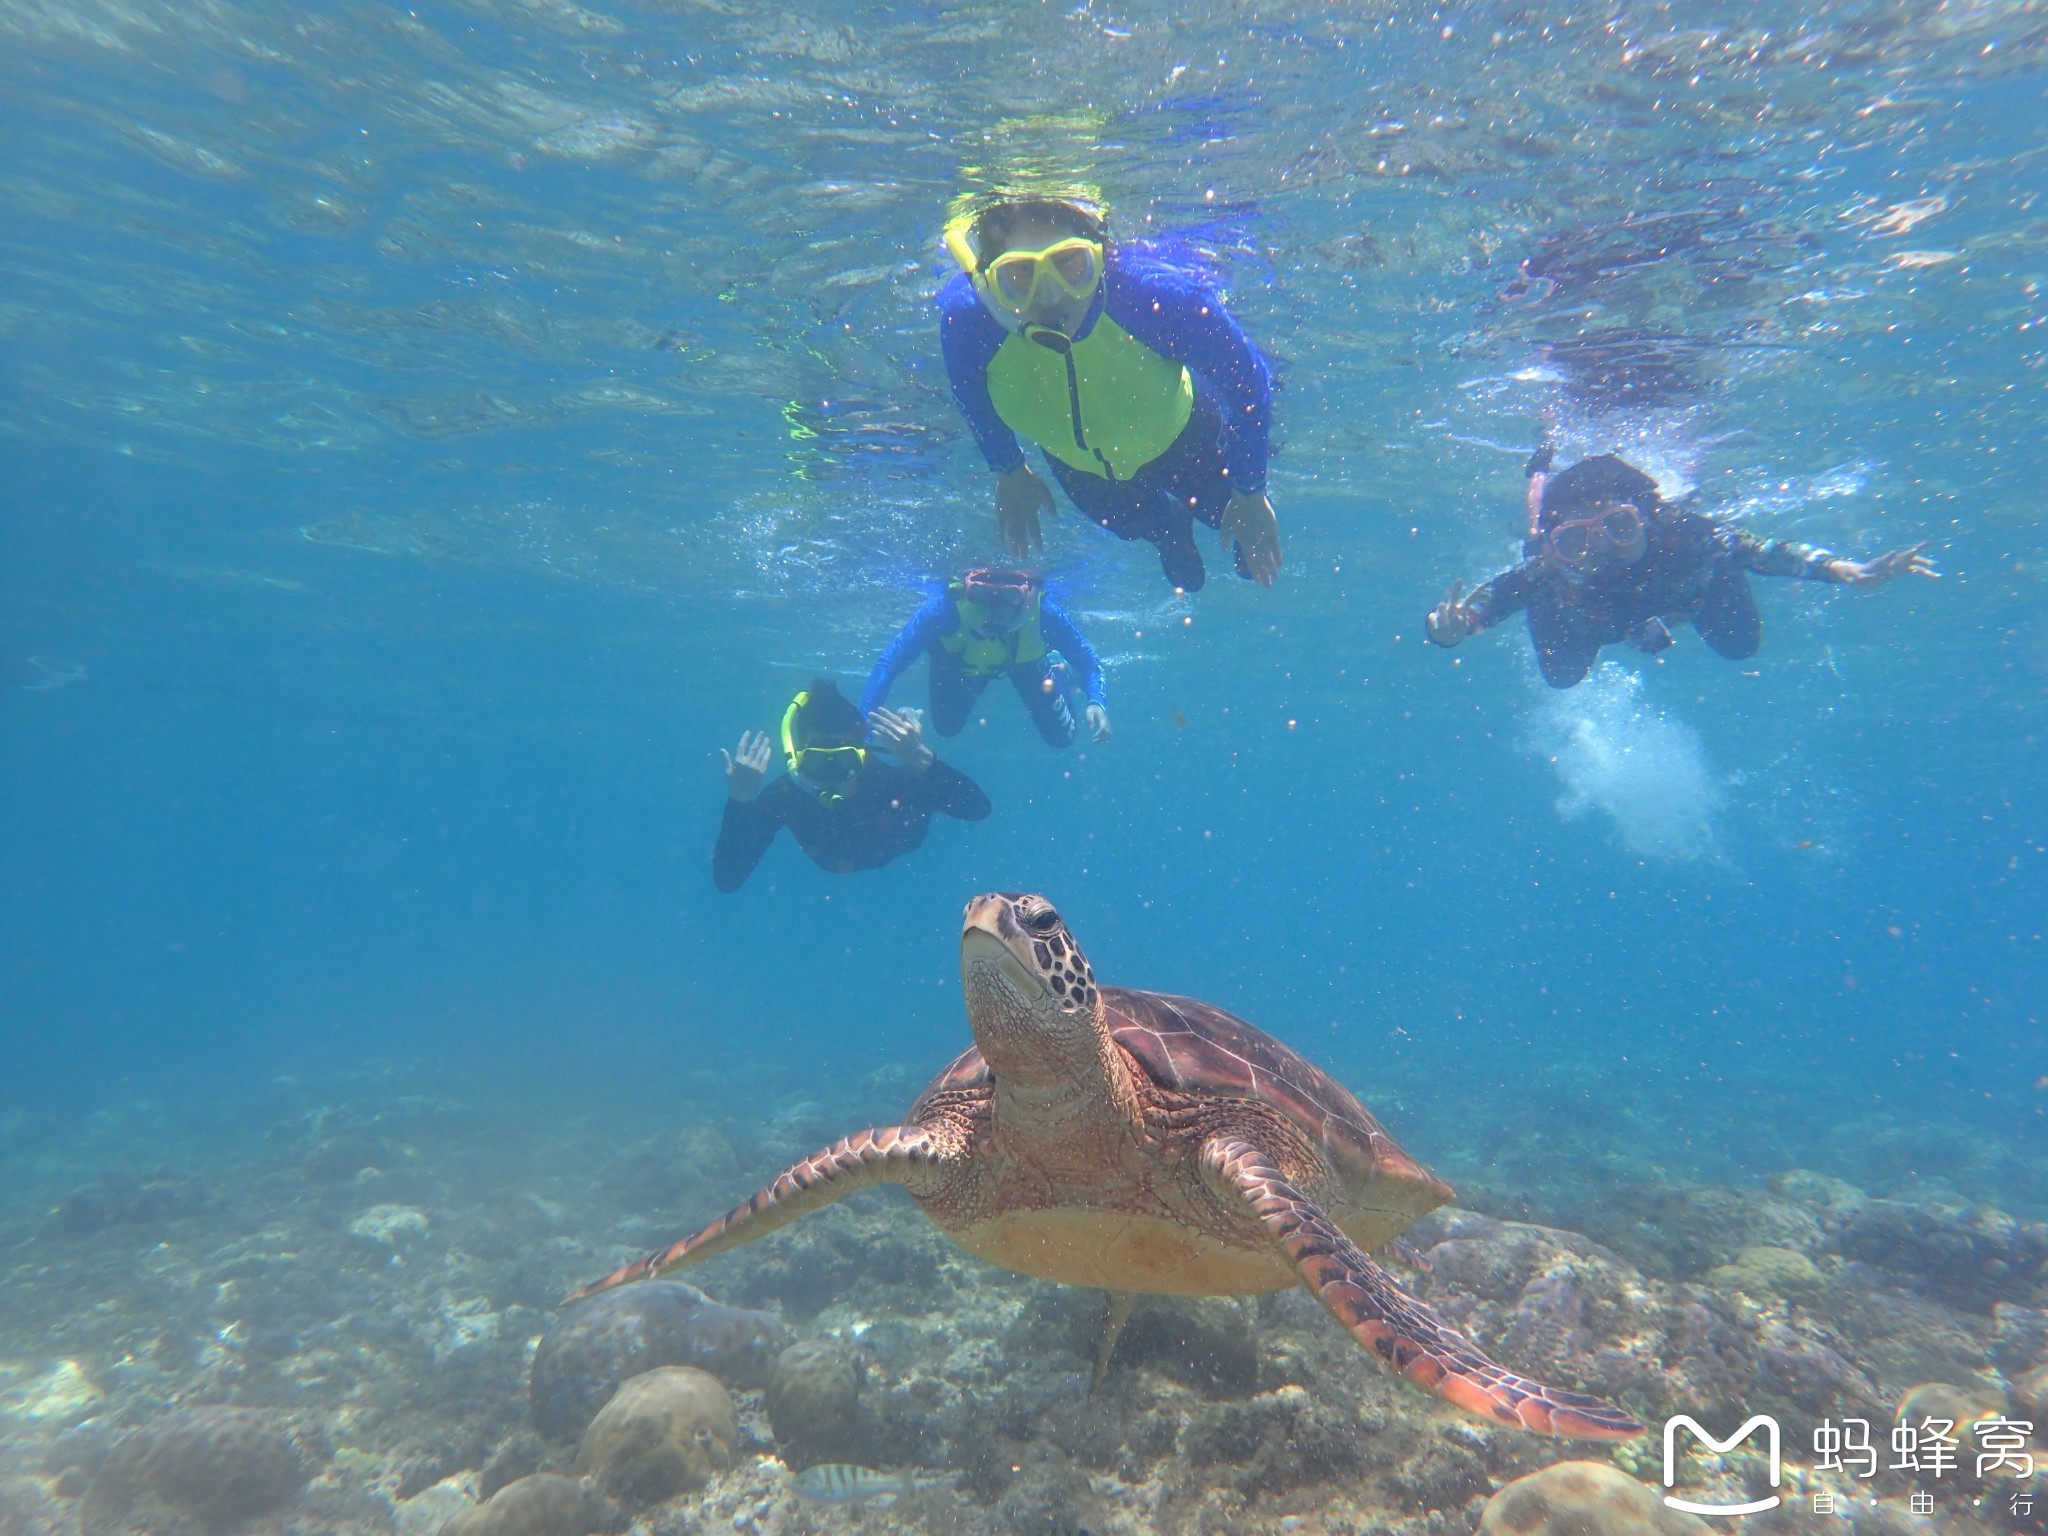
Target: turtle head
{"points": [[1023, 971]]}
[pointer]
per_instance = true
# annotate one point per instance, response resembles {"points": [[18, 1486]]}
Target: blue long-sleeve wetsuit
{"points": [[954, 688], [1220, 452], [1167, 308], [940, 616]]}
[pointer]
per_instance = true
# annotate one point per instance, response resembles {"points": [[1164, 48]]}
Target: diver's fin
{"points": [[914, 1155], [1393, 1325]]}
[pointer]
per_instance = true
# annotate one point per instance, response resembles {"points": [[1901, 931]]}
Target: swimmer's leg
{"points": [[954, 690]]}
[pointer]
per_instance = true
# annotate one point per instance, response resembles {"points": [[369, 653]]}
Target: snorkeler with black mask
{"points": [[847, 807], [1608, 560]]}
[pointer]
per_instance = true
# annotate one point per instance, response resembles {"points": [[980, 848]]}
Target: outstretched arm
{"points": [[744, 834], [924, 780], [1809, 562], [1886, 568], [934, 619], [950, 792], [969, 339], [1484, 606], [1064, 636]]}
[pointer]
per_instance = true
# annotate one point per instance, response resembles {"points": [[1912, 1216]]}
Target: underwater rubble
{"points": [[353, 1327]]}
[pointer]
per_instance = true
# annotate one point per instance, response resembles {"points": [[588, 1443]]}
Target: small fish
{"points": [[837, 1482], [1180, 719]]}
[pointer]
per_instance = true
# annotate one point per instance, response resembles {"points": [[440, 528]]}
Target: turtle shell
{"points": [[1192, 1047]]}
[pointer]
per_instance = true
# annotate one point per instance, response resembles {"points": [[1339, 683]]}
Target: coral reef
{"points": [[218, 1465], [1201, 1342], [389, 1226], [1583, 1498], [663, 1432], [813, 1402], [60, 1394], [2031, 1392], [341, 1158], [1574, 1311], [517, 1456], [1966, 1254], [679, 1175], [1766, 1271], [541, 1505], [1959, 1406], [834, 1254], [27, 1508], [596, 1344], [372, 1285], [146, 1205]]}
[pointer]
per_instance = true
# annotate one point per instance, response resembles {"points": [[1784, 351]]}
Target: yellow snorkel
{"points": [[830, 769], [960, 242], [789, 747]]}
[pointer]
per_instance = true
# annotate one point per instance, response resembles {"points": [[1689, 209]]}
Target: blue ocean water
{"points": [[429, 434]]}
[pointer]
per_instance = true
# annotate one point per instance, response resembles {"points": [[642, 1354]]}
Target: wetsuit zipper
{"points": [[1065, 347]]}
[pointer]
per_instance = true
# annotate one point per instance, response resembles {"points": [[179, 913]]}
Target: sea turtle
{"points": [[1143, 1143]]}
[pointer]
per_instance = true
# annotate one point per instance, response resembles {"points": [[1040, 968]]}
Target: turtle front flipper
{"points": [[1393, 1325], [916, 1156]]}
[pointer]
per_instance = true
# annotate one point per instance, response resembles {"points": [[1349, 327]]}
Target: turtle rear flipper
{"points": [[917, 1156], [1393, 1325], [1121, 1305]]}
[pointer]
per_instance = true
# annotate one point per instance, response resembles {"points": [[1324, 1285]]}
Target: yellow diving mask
{"points": [[1013, 279], [829, 770]]}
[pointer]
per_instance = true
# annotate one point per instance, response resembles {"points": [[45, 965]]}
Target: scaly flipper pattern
{"points": [[913, 1155], [1393, 1325]]}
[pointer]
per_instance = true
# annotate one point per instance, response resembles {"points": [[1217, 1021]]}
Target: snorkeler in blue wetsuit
{"points": [[989, 624], [1152, 406]]}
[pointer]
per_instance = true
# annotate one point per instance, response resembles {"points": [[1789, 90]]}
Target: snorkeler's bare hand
{"points": [[1449, 622], [903, 735], [1098, 722], [1887, 567], [745, 773], [1248, 522], [1021, 499]]}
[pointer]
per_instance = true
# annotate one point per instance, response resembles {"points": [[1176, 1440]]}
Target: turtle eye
{"points": [[1044, 920]]}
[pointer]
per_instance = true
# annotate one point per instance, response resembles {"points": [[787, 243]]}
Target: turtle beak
{"points": [[990, 935]]}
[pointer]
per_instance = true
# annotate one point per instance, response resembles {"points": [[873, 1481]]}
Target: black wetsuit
{"points": [[1692, 572], [884, 814]]}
